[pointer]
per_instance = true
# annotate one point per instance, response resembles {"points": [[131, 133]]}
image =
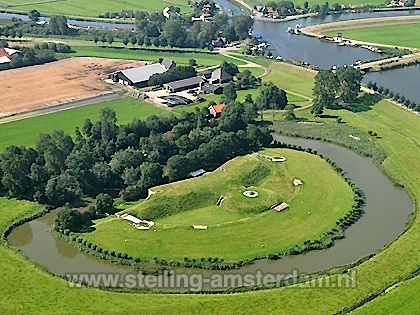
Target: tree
{"points": [[177, 167], [192, 62], [68, 218], [290, 114], [271, 96], [242, 25], [58, 25], [55, 148], [349, 80], [229, 67], [103, 203], [229, 93], [34, 15], [133, 40], [15, 164], [125, 41], [63, 189], [151, 174], [110, 39], [175, 33], [324, 91], [95, 39]]}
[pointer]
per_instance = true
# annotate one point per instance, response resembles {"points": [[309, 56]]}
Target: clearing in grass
{"points": [[240, 225]]}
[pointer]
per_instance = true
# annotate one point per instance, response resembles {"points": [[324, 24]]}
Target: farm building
{"points": [[185, 84], [219, 76], [5, 54], [139, 77], [216, 110], [212, 88]]}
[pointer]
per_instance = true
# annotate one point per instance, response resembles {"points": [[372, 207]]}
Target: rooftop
{"points": [[218, 108], [185, 82], [141, 74]]}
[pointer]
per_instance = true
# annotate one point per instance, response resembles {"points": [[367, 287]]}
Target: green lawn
{"points": [[202, 59], [93, 8], [237, 228], [25, 132], [398, 300], [405, 35]]}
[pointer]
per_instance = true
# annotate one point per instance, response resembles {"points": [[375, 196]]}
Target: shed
{"points": [[197, 173], [185, 84], [211, 88]]}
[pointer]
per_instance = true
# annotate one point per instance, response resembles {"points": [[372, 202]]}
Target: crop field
{"points": [[202, 59], [246, 222], [93, 8], [55, 83]]}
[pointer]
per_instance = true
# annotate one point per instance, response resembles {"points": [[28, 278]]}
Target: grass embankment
{"points": [[203, 59], [241, 225], [94, 8], [25, 132], [403, 35]]}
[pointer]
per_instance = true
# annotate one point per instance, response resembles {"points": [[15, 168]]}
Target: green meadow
{"points": [[92, 8], [248, 223], [405, 35], [26, 131], [27, 289]]}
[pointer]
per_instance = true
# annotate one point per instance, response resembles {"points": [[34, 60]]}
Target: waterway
{"points": [[385, 215], [325, 54]]}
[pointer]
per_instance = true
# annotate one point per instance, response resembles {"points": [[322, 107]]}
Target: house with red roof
{"points": [[5, 54], [216, 110]]}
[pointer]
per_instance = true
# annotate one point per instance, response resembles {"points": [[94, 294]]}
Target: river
{"points": [[385, 215]]}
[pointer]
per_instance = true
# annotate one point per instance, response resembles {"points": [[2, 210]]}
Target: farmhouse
{"points": [[139, 77], [5, 54], [216, 110], [219, 76], [185, 84]]}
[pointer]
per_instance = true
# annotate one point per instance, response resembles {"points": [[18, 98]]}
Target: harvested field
{"points": [[30, 88]]}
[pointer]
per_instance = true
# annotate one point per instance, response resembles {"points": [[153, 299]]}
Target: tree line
{"points": [[126, 160]]}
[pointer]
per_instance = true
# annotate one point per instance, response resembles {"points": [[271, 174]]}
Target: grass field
{"points": [[202, 59], [397, 35], [93, 8], [244, 221], [25, 132], [26, 289]]}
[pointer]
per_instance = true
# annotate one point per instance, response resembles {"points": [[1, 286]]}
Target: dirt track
{"points": [[30, 88]]}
